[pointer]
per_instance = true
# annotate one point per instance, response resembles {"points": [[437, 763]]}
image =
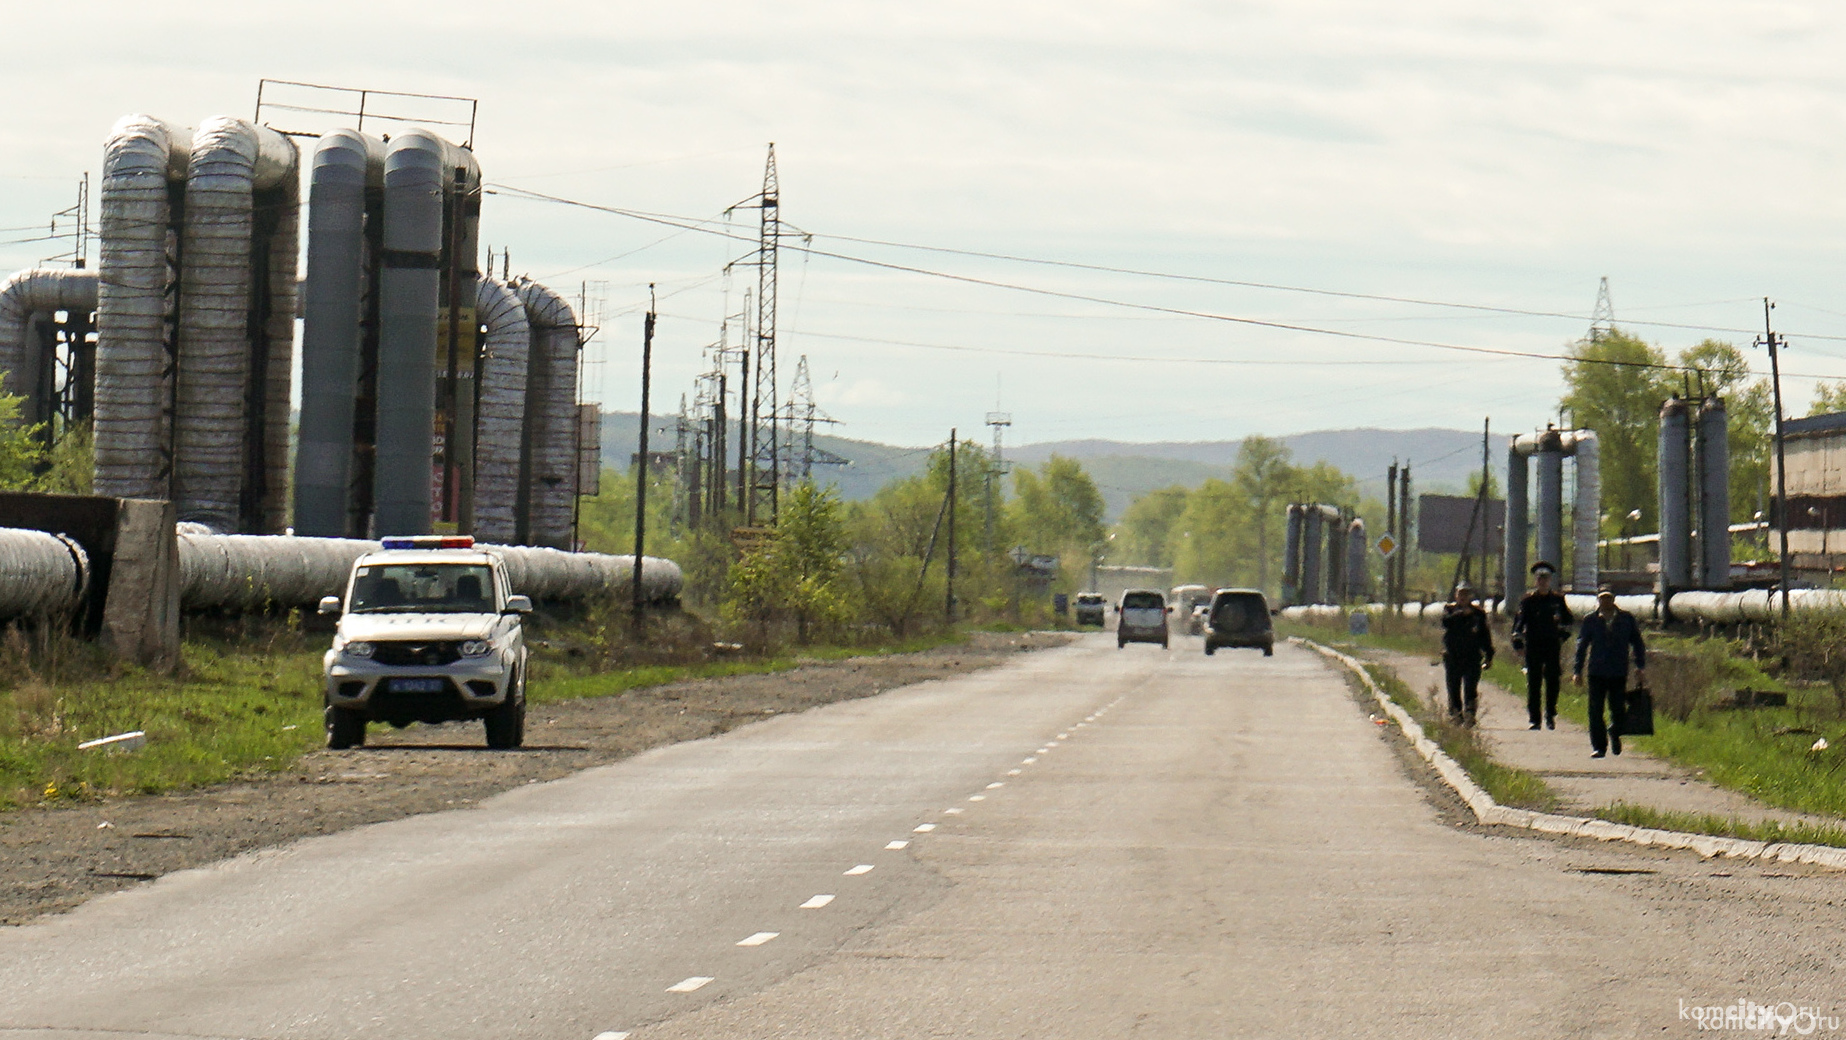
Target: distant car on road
{"points": [[1092, 609], [1199, 620], [1240, 617], [1185, 600], [429, 632], [1142, 618]]}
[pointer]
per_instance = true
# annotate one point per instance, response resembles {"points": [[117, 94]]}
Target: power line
{"points": [[1143, 273]]}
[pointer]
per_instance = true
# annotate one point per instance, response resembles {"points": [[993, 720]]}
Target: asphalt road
{"points": [[1088, 842]]}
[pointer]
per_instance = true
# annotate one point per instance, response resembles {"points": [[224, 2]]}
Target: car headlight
{"points": [[476, 648], [358, 649]]}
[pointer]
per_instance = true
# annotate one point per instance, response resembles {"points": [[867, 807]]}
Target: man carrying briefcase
{"points": [[1606, 639]]}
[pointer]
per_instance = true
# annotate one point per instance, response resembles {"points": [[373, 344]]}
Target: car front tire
{"points": [[345, 729], [506, 724]]}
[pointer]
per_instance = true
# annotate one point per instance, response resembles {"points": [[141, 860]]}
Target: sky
{"points": [[1502, 156]]}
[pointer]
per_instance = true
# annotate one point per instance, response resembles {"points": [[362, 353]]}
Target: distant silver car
{"points": [[1141, 618], [1092, 609], [428, 632]]}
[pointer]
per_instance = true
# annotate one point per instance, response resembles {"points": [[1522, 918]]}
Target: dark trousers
{"points": [[1612, 690], [1542, 671], [1464, 679]]}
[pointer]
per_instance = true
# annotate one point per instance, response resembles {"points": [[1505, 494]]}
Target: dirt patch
{"points": [[52, 859]]}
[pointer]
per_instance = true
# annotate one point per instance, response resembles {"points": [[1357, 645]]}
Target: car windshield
{"points": [[1245, 611], [423, 588], [1143, 600]]}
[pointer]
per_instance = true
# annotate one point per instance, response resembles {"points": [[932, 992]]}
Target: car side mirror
{"points": [[1117, 609], [329, 604], [518, 605]]}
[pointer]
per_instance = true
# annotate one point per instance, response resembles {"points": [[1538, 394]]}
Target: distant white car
{"points": [[428, 632], [1200, 618]]}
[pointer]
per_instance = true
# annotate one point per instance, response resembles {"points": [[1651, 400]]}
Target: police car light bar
{"points": [[430, 541]]}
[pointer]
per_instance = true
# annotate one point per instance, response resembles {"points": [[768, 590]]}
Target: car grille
{"points": [[405, 654]]}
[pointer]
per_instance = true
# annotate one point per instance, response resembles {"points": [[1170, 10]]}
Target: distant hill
{"points": [[1440, 459]]}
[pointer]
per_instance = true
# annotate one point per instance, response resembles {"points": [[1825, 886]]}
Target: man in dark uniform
{"points": [[1467, 645], [1539, 630], [1609, 636]]}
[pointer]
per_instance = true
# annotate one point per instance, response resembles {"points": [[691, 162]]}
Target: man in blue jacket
{"points": [[1606, 639]]}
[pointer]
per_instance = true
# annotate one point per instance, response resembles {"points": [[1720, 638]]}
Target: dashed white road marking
{"points": [[1027, 761], [758, 939], [863, 868], [1064, 736], [951, 812], [923, 828], [896, 844], [996, 783], [816, 902], [1014, 772], [610, 1035], [1043, 751], [688, 985], [977, 797]]}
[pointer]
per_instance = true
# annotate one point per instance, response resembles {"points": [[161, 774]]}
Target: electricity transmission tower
{"points": [[1602, 319], [996, 469], [802, 455], [765, 490]]}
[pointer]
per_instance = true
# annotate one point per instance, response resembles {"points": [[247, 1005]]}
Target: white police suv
{"points": [[428, 632]]}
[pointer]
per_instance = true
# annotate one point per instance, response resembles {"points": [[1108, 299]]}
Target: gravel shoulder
{"points": [[52, 859]]}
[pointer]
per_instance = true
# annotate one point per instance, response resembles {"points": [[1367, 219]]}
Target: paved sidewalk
{"points": [[1562, 756]]}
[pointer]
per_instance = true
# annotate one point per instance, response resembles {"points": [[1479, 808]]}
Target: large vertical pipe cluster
{"points": [[195, 316], [1675, 459], [28, 302], [1550, 449], [1318, 564], [1312, 540], [433, 394]]}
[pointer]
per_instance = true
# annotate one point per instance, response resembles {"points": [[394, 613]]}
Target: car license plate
{"points": [[418, 685]]}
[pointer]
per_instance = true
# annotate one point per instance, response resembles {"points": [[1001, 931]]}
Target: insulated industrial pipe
{"points": [[41, 575], [222, 376], [1313, 544], [1586, 516], [24, 296], [1517, 514], [551, 416], [1356, 549], [142, 161], [1291, 555], [417, 177], [506, 349], [1550, 456], [1675, 498], [255, 572], [348, 169], [1714, 495]]}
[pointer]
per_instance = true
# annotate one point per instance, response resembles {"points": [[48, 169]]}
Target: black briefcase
{"points": [[1638, 718]]}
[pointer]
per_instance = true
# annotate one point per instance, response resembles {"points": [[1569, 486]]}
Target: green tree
{"points": [[21, 451], [793, 573], [1829, 398], [1261, 475], [1613, 386], [1721, 369], [1144, 535], [1058, 510]]}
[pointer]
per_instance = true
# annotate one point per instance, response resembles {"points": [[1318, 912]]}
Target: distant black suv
{"points": [[1240, 617]]}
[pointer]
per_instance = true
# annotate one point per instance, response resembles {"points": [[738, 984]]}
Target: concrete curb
{"points": [[1488, 811]]}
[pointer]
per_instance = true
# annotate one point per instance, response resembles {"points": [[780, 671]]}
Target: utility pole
{"points": [[1774, 344], [1403, 521], [647, 362], [1390, 564], [768, 486], [996, 469], [948, 607]]}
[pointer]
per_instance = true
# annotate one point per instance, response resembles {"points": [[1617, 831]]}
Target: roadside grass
{"points": [[246, 700], [1767, 753], [1722, 826], [1505, 784]]}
